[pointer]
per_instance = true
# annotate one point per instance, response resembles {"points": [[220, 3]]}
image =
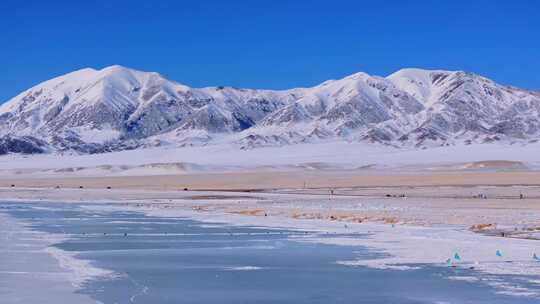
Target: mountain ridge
{"points": [[115, 108]]}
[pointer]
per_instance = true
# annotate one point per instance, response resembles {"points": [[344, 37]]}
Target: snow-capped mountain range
{"points": [[92, 111]]}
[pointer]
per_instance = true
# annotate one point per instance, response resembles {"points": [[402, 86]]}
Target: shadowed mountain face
{"points": [[117, 108]]}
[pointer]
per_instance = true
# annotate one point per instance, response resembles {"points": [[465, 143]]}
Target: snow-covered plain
{"points": [[347, 155]]}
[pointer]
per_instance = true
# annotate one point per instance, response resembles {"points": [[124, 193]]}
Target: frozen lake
{"points": [[178, 260]]}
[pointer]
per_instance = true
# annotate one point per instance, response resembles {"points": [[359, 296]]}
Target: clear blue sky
{"points": [[268, 44]]}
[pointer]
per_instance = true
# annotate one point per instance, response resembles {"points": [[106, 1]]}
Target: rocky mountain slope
{"points": [[92, 111]]}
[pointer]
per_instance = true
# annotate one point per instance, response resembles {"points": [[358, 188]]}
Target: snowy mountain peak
{"points": [[120, 108], [416, 73], [418, 83], [116, 68]]}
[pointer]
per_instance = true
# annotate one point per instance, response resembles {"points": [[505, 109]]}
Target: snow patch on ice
{"points": [[81, 270], [244, 268]]}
